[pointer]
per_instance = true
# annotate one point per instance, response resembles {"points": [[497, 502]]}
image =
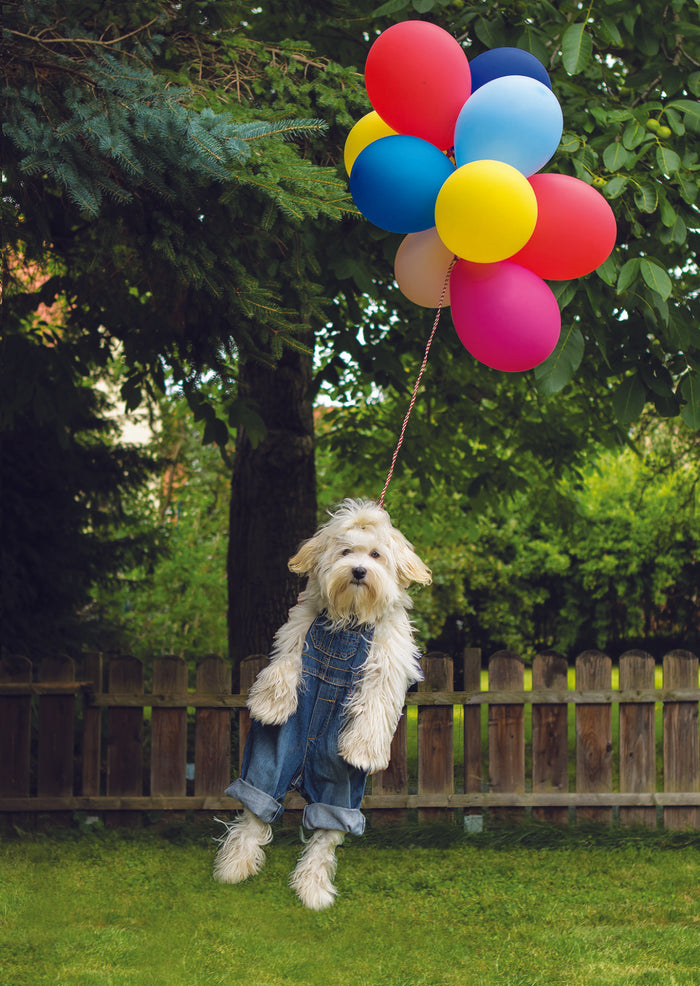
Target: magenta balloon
{"points": [[418, 79], [504, 314]]}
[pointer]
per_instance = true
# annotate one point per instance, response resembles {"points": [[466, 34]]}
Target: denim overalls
{"points": [[302, 753]]}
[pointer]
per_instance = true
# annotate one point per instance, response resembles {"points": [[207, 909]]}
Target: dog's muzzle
{"points": [[358, 575]]}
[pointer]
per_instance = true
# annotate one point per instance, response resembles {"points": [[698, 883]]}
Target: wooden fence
{"points": [[100, 744]]}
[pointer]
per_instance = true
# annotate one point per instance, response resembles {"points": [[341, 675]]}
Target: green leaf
{"points": [[569, 142], [690, 391], [559, 368], [627, 275], [610, 31], [215, 433], [657, 377], [675, 122], [629, 399], [667, 160], [615, 186], [688, 187], [391, 7], [423, 6], [646, 198], [485, 31], [691, 107], [656, 278], [607, 271], [634, 134], [576, 48], [615, 156]]}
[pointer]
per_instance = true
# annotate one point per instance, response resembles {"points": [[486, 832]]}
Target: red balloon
{"points": [[504, 314], [418, 79], [575, 230]]}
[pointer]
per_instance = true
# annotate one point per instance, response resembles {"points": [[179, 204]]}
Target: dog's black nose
{"points": [[359, 573]]}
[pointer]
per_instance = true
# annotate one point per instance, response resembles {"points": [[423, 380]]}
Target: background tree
{"points": [[629, 332], [132, 176]]}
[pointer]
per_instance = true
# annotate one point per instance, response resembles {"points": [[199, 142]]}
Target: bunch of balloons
{"points": [[450, 156]]}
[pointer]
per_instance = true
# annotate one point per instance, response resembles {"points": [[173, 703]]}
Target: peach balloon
{"points": [[421, 266]]}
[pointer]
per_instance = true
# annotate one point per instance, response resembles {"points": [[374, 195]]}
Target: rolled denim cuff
{"points": [[320, 816], [266, 808]]}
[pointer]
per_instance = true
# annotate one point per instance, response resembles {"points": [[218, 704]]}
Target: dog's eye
{"points": [[374, 554], [345, 551]]}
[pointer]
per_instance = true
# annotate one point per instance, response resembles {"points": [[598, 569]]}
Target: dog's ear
{"points": [[409, 567], [304, 561]]}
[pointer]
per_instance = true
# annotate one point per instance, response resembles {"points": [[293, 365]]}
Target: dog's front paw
{"points": [[362, 751], [273, 698]]}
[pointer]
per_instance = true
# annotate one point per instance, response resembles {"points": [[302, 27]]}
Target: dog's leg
{"points": [[241, 851], [273, 697], [312, 880]]}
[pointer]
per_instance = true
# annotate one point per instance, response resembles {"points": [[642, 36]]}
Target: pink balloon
{"points": [[418, 79], [504, 314], [421, 266]]}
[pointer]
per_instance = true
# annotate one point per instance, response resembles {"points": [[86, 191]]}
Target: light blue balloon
{"points": [[395, 182], [515, 119]]}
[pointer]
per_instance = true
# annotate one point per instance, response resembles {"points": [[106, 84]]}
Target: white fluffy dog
{"points": [[326, 707]]}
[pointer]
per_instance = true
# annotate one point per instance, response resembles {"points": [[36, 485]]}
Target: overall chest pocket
{"points": [[336, 657]]}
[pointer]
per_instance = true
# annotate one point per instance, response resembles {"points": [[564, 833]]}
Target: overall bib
{"points": [[302, 754]]}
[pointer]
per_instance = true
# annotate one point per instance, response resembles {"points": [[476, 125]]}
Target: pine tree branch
{"points": [[90, 42]]}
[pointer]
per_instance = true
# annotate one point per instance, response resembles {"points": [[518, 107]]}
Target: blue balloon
{"points": [[514, 119], [497, 62], [395, 182]]}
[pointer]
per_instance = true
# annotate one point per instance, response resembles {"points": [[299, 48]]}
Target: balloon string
{"points": [[417, 384]]}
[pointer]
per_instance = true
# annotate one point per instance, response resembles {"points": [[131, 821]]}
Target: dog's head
{"points": [[360, 563]]}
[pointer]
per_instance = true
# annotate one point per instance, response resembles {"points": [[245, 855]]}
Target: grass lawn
{"points": [[596, 907]]}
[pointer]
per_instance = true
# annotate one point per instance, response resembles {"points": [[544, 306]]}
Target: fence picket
{"points": [[212, 737], [506, 731], [593, 734], [435, 737], [169, 729], [637, 738], [250, 669], [550, 747], [92, 729], [125, 735], [472, 726], [56, 731], [680, 724], [15, 729], [393, 780]]}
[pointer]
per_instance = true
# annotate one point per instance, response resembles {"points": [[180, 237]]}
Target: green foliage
{"points": [[167, 204], [177, 604], [66, 486], [606, 556]]}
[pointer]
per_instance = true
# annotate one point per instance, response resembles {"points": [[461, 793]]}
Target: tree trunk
{"points": [[273, 503]]}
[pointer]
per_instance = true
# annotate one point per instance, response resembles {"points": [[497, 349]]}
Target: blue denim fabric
{"points": [[302, 754]]}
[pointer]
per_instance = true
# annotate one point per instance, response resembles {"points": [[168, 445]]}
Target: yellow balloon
{"points": [[368, 129], [486, 211]]}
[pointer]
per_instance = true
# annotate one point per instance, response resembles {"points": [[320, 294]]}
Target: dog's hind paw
{"points": [[312, 880], [241, 852]]}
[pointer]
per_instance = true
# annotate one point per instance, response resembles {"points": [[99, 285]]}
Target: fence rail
{"points": [[103, 745]]}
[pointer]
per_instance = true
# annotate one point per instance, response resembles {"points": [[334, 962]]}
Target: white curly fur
{"points": [[241, 852], [358, 537], [312, 880]]}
